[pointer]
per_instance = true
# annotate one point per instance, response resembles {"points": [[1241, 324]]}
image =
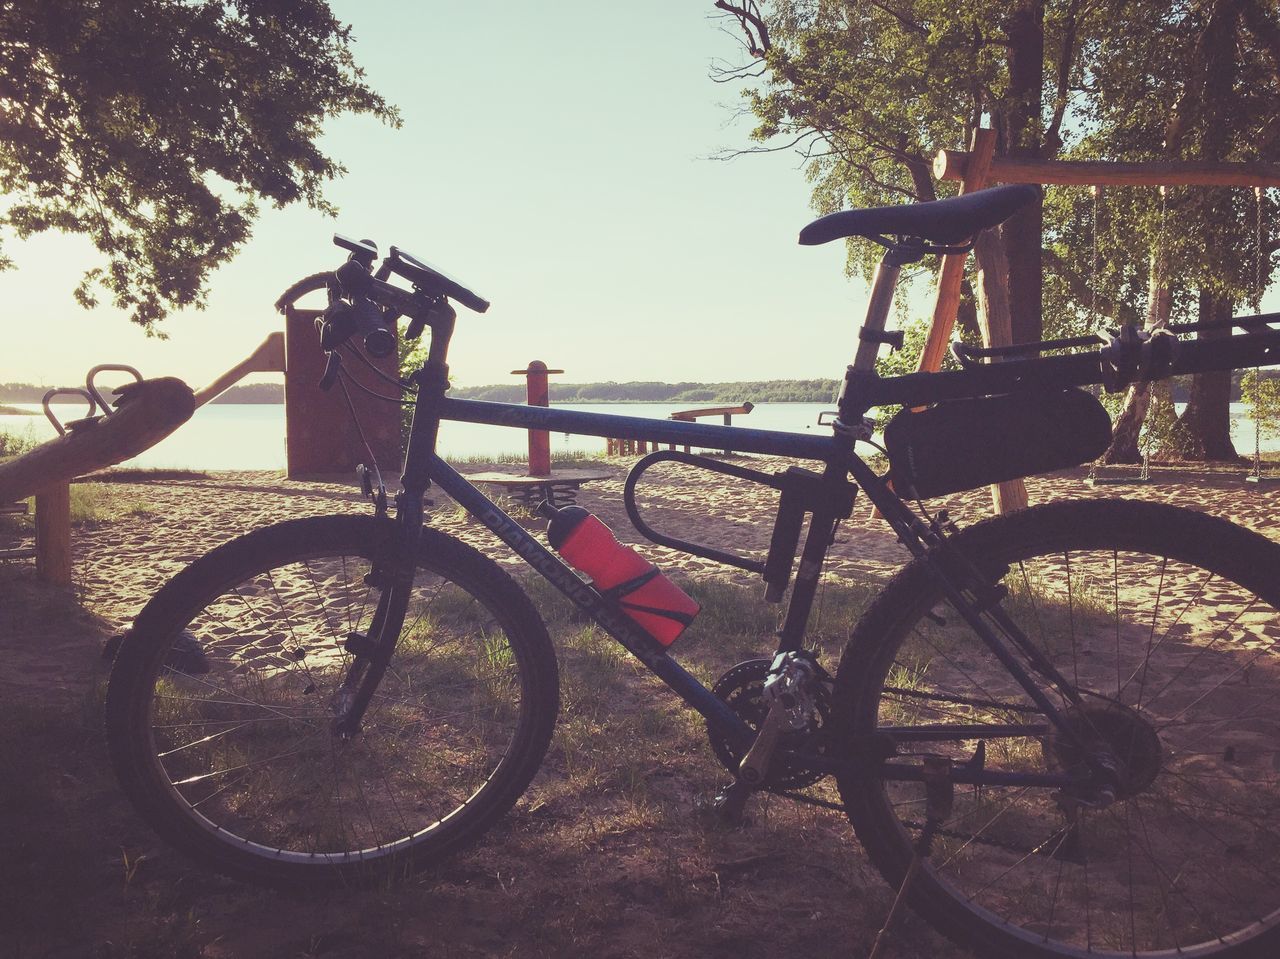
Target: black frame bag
{"points": [[966, 444]]}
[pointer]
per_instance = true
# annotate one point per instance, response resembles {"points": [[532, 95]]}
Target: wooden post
{"points": [[996, 321], [952, 275], [53, 534], [993, 297], [535, 375]]}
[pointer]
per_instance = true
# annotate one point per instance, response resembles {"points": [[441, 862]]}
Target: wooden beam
{"points": [[952, 275], [321, 437], [53, 534], [954, 165], [267, 358]]}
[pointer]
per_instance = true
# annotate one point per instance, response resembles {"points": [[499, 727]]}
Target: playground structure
{"points": [[320, 436], [146, 411], [978, 168]]}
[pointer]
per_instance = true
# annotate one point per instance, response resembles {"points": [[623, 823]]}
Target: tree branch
{"points": [[906, 21], [1052, 142], [1082, 290], [749, 17]]}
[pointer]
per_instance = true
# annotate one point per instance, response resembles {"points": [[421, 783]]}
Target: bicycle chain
{"points": [[963, 700], [909, 823]]}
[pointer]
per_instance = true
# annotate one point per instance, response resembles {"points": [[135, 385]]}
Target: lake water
{"points": [[251, 437]]}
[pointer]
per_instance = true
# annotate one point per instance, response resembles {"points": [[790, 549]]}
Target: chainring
{"points": [[742, 688]]}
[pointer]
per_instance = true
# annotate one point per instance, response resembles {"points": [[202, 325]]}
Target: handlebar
{"points": [[362, 301]]}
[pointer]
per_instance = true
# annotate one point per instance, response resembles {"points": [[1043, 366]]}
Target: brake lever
{"points": [[332, 367], [441, 311]]}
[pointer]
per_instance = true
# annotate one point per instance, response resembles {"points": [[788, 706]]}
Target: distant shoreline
{"points": [[684, 393]]}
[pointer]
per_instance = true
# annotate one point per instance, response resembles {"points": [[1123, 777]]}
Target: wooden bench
{"points": [[728, 412], [619, 447]]}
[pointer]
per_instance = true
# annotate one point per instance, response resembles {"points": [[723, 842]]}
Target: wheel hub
{"points": [[1117, 734]]}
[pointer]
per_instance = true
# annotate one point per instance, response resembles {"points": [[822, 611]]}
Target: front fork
{"points": [[394, 565], [391, 573]]}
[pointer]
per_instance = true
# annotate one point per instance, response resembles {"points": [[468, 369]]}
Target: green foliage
{"points": [[155, 127], [15, 444], [1262, 392], [869, 92]]}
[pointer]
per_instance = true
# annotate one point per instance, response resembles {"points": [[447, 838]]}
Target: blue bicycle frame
{"points": [[424, 467]]}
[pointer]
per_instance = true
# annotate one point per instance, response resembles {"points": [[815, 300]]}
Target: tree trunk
{"points": [[992, 288], [967, 313], [1204, 428], [1128, 425], [1022, 233]]}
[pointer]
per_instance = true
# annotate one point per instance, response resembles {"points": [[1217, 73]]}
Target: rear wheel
{"points": [[1167, 622], [222, 704]]}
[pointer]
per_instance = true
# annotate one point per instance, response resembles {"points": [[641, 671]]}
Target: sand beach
{"points": [[602, 859]]}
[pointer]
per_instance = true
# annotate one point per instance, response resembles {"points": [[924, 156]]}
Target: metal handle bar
{"points": [[1116, 366]]}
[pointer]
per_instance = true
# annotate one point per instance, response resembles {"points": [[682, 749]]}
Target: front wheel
{"points": [[1166, 621], [223, 704]]}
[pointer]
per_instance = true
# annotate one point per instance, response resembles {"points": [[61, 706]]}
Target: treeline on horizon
{"points": [[642, 391], [639, 391], [246, 393]]}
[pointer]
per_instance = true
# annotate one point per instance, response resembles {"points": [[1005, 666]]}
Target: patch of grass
{"points": [[133, 475], [576, 459], [90, 503], [97, 503], [15, 444], [14, 411], [737, 622]]}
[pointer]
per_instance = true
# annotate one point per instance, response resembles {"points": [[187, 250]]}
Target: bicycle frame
{"points": [[424, 467]]}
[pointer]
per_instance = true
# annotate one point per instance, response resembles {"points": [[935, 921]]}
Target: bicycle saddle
{"points": [[939, 221]]}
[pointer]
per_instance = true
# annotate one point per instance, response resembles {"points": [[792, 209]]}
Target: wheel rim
{"points": [[248, 749], [1184, 682]]}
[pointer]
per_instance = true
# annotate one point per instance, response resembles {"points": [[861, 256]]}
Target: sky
{"points": [[556, 157]]}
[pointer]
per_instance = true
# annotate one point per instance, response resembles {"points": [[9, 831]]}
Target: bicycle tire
{"points": [[227, 748], [1180, 862]]}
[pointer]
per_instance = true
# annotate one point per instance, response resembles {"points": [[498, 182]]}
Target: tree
{"points": [[868, 91], [156, 127], [1192, 82], [1262, 393]]}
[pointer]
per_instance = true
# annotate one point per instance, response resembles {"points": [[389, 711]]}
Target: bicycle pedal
{"points": [[726, 809]]}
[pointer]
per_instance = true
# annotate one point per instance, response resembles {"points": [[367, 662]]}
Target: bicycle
{"points": [[1055, 726]]}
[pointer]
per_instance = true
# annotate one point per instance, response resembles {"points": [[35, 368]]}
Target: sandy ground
{"points": [[118, 565]]}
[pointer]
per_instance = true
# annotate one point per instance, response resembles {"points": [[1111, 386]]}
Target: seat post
{"points": [[882, 289]]}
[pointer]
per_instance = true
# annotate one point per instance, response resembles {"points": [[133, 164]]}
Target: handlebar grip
{"points": [[316, 281]]}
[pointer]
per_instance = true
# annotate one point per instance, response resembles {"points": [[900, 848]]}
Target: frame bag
{"points": [[966, 444]]}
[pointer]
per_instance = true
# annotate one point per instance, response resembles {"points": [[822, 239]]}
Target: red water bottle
{"points": [[659, 606]]}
